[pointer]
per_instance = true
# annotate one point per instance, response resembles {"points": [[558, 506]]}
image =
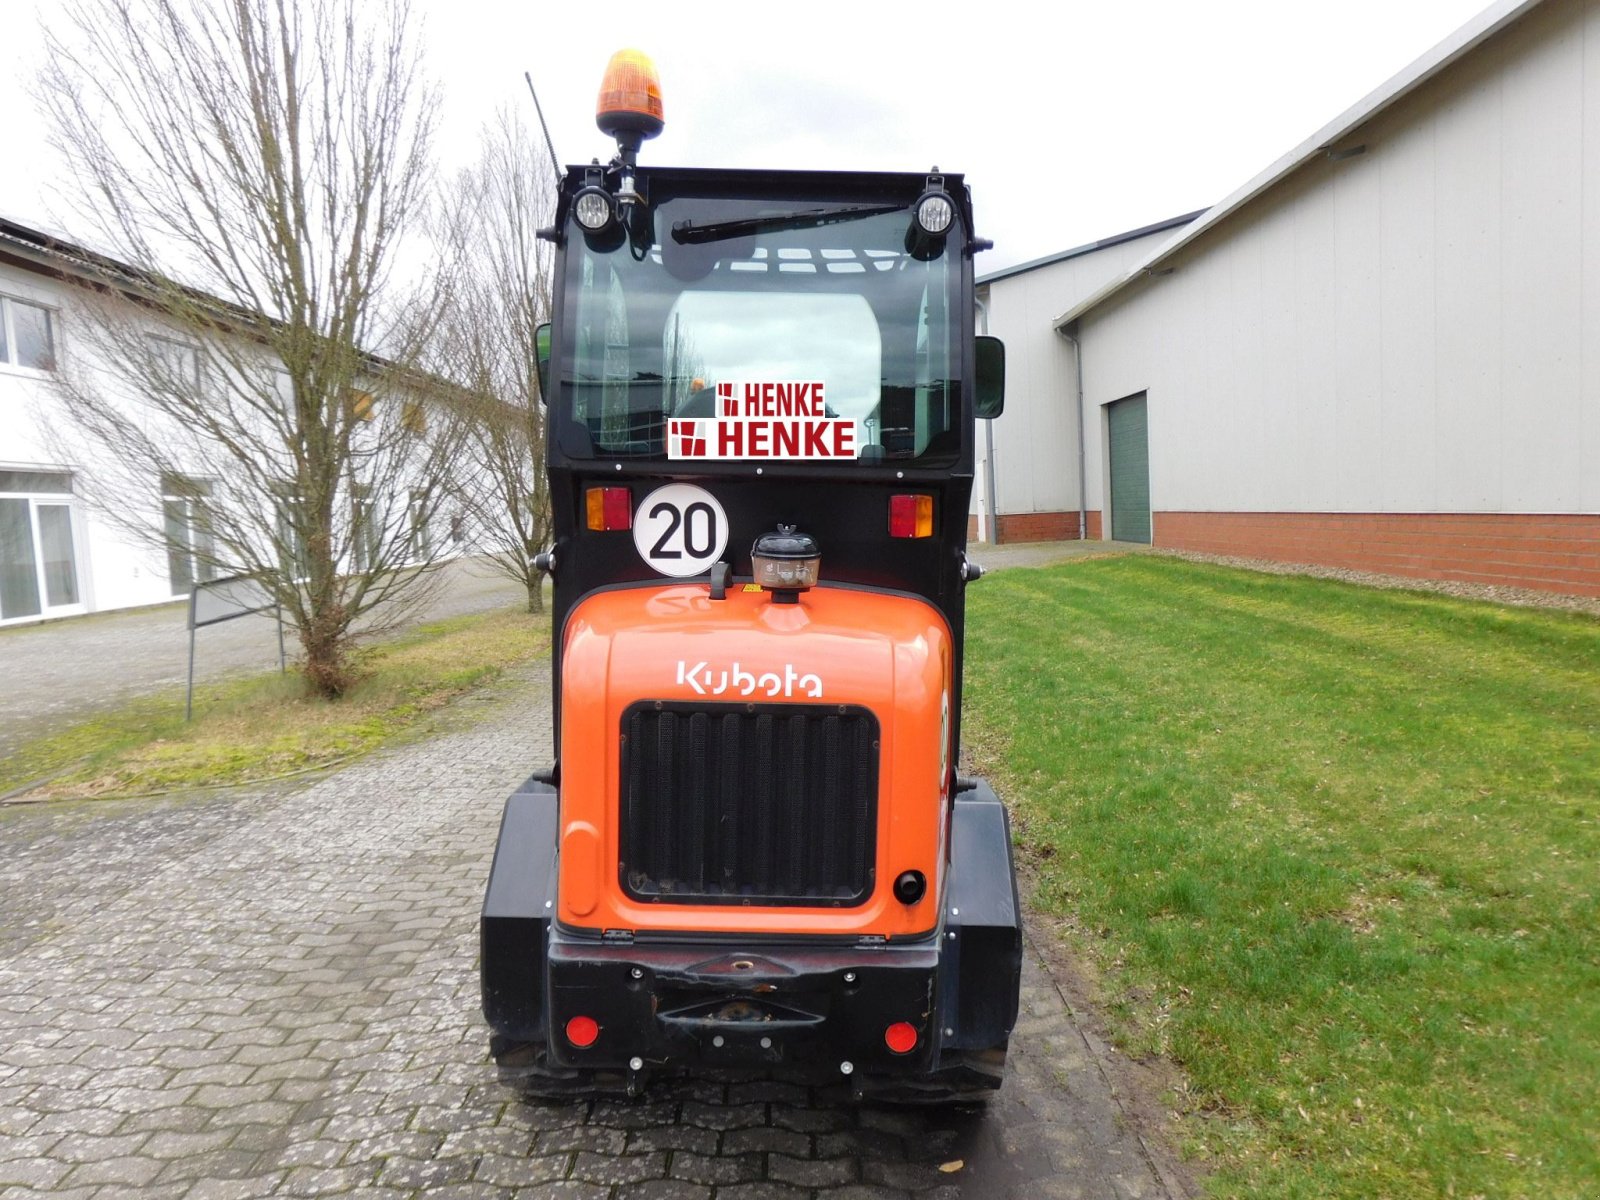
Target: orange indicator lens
{"points": [[910, 516]]}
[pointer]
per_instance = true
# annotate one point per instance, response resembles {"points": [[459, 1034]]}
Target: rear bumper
{"points": [[741, 1006], [805, 1009]]}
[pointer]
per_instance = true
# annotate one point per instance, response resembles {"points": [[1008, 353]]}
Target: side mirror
{"points": [[541, 350], [989, 385]]}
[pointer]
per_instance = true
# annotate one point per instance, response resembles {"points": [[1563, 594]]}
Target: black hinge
{"points": [[622, 936]]}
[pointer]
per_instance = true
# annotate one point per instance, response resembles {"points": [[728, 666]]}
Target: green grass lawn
{"points": [[1333, 850], [266, 725]]}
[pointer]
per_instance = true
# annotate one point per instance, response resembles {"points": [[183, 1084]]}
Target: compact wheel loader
{"points": [[754, 850]]}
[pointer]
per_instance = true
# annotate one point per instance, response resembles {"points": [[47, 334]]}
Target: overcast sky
{"points": [[1071, 121]]}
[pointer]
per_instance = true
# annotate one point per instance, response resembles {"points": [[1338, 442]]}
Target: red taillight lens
{"points": [[582, 1031], [901, 1037], [609, 508], [910, 516]]}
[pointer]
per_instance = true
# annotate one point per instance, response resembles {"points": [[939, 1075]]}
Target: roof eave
{"points": [[1116, 239]]}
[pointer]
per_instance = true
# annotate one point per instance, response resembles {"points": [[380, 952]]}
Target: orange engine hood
{"points": [[884, 652]]}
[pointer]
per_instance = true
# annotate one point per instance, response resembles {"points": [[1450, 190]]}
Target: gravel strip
{"points": [[1522, 597]]}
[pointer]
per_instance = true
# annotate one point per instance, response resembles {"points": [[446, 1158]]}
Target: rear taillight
{"points": [[901, 1037], [910, 516], [610, 508], [582, 1031]]}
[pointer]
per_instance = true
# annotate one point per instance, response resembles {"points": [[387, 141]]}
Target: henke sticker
{"points": [[764, 419]]}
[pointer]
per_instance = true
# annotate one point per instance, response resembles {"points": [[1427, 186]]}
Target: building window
{"points": [[418, 510], [38, 566], [290, 513], [363, 531], [186, 510], [177, 364], [27, 335]]}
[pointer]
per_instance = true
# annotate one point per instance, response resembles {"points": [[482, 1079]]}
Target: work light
{"points": [[592, 207], [786, 563], [935, 212]]}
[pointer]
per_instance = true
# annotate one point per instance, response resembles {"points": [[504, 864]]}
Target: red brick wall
{"points": [[1038, 527], [1092, 521], [1558, 553]]}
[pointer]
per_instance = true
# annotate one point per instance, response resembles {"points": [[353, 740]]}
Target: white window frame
{"points": [[366, 536], [52, 312], [196, 357], [419, 501], [290, 546], [75, 527], [196, 496]]}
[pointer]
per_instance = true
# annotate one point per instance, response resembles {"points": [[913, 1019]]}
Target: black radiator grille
{"points": [[728, 803]]}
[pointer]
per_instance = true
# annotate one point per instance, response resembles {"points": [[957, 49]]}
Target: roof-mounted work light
{"points": [[935, 212], [931, 219], [591, 206]]}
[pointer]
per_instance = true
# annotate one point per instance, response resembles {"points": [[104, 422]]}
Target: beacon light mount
{"points": [[629, 109]]}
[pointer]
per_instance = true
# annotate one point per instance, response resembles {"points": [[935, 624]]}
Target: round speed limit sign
{"points": [[680, 530]]}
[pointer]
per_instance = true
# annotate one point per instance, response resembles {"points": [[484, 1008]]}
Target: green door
{"points": [[1130, 470]]}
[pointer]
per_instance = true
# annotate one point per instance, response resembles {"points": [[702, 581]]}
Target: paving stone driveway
{"points": [[275, 994]]}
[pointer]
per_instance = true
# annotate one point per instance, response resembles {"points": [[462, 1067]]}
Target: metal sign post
{"points": [[220, 600]]}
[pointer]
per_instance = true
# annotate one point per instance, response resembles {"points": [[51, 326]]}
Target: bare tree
{"points": [[259, 165], [488, 344]]}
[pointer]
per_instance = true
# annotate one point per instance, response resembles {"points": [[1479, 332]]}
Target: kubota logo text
{"points": [[717, 681]]}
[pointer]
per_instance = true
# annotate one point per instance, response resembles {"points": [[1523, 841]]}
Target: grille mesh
{"points": [[733, 803]]}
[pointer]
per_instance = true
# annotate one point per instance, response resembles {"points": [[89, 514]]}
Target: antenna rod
{"points": [[555, 163]]}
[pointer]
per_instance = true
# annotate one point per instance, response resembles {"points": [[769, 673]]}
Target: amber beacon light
{"points": [[629, 108]]}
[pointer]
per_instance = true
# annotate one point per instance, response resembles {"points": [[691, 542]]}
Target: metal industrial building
{"points": [[1033, 498], [1382, 353]]}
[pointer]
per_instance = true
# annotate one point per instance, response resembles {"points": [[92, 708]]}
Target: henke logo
{"points": [[767, 419], [708, 681]]}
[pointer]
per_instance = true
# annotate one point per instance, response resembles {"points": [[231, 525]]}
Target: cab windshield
{"points": [[747, 292]]}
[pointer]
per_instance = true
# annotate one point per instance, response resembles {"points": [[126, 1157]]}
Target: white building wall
{"points": [[1413, 329], [115, 568], [1036, 439], [112, 570]]}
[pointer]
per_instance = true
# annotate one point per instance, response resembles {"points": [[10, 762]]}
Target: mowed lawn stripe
{"points": [[1335, 850]]}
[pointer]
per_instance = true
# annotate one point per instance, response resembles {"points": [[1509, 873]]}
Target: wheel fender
{"points": [[514, 929]]}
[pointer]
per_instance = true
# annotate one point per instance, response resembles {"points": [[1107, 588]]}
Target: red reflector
{"points": [[619, 509], [901, 1037], [582, 1031], [609, 508], [910, 516]]}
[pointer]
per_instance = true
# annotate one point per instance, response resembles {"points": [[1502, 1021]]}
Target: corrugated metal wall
{"points": [[1412, 329], [1036, 440]]}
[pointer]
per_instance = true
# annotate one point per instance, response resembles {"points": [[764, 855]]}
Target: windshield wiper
{"points": [[687, 233]]}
